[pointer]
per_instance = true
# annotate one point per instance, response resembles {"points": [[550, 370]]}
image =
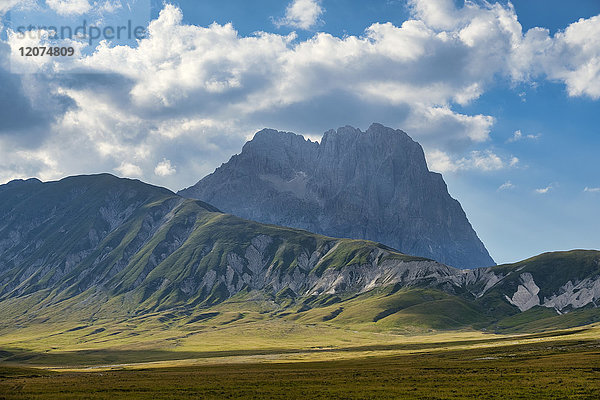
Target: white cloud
{"points": [[440, 161], [591, 190], [518, 135], [303, 14], [545, 190], [389, 67], [20, 164], [508, 185], [482, 161], [193, 94], [579, 58], [128, 169], [69, 7], [164, 168], [456, 127], [7, 5], [110, 6], [440, 14], [570, 56]]}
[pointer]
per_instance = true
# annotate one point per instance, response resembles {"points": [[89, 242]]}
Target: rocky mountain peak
{"points": [[371, 185]]}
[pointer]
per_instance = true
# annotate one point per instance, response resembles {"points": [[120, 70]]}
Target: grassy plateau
{"points": [[233, 354]]}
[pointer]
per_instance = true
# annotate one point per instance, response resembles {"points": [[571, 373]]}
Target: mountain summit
{"points": [[371, 185]]}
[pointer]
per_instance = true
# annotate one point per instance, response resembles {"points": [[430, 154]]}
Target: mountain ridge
{"points": [[93, 247], [372, 185]]}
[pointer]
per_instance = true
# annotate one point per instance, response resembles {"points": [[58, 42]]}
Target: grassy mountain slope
{"points": [[95, 247], [90, 251]]}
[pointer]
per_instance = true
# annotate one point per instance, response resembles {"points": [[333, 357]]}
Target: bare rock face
{"points": [[526, 296], [371, 185]]}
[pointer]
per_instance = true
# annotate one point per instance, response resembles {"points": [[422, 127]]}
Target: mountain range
{"points": [[372, 185], [90, 247]]}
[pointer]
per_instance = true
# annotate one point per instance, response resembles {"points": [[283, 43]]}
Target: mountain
{"points": [[103, 243], [97, 247], [371, 185]]}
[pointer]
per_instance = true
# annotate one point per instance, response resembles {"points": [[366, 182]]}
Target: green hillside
{"points": [[94, 247], [90, 253]]}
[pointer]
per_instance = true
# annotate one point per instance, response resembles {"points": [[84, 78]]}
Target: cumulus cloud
{"points": [[110, 6], [302, 14], [482, 161], [391, 67], [458, 129], [569, 57], [129, 169], [6, 5], [192, 94], [27, 162], [69, 7], [164, 168]]}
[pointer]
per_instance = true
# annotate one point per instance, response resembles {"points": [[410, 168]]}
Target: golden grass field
{"points": [[252, 357]]}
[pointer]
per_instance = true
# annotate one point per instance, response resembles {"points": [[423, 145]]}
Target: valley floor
{"points": [[553, 365]]}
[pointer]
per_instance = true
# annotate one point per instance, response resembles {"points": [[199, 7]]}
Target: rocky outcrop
{"points": [[371, 185], [572, 296], [568, 297], [526, 296]]}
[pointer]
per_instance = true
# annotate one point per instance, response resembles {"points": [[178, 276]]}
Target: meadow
{"points": [[238, 361]]}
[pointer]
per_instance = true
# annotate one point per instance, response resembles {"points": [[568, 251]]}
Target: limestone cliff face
{"points": [[371, 185]]}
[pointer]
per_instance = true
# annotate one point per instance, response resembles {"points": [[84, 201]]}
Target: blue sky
{"points": [[504, 97]]}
